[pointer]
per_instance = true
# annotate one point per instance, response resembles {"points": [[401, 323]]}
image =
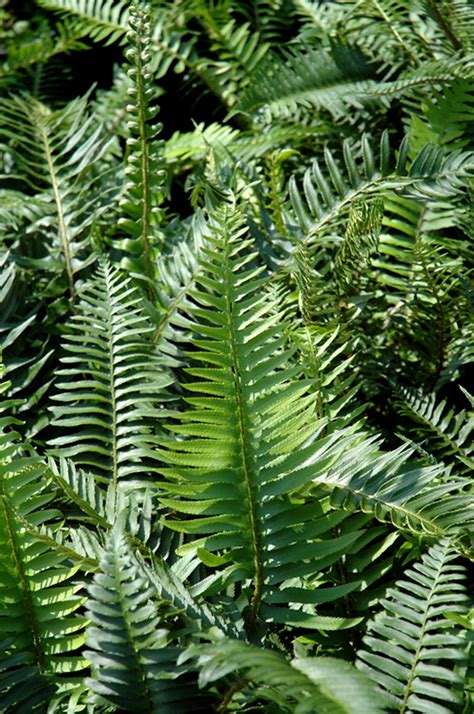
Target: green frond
{"points": [[389, 29], [112, 382], [444, 430], [238, 53], [226, 465], [411, 648], [360, 243], [102, 20], [455, 19], [56, 153], [308, 79], [299, 686], [432, 175], [40, 628], [388, 486], [133, 666]]}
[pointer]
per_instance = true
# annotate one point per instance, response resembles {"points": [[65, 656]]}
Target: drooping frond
{"points": [[390, 487], [432, 175], [444, 430], [112, 382], [411, 648], [312, 79]]}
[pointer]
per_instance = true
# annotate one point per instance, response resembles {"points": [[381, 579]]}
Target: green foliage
{"points": [[235, 439]]}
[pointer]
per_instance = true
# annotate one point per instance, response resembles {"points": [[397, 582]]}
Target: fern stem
{"points": [[63, 233], [113, 396], [445, 26], [23, 583], [229, 695], [394, 31]]}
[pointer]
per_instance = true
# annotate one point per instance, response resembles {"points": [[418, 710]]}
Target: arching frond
{"points": [[445, 430], [310, 79], [40, 628], [432, 175], [101, 20], [300, 685]]}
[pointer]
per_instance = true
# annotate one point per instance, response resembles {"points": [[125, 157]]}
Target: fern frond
{"points": [[390, 29], [432, 175], [446, 431], [413, 498], [133, 666], [102, 20], [56, 154], [40, 628], [242, 455], [411, 649], [111, 389], [300, 685], [238, 52], [311, 79]]}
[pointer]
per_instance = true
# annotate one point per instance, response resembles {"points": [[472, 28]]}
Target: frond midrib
{"points": [[246, 448]]}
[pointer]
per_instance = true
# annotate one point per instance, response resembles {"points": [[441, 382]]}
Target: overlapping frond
{"points": [[432, 175], [101, 20], [443, 429], [136, 668], [309, 79]]}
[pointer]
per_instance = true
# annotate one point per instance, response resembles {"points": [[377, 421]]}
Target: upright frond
{"points": [[411, 648], [144, 173], [133, 665], [112, 382]]}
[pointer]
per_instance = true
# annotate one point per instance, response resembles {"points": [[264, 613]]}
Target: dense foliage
{"points": [[235, 446]]}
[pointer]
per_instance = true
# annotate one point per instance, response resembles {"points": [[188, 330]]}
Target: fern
{"points": [[102, 20], [302, 685], [448, 431], [40, 628], [54, 152], [235, 448], [307, 79]]}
